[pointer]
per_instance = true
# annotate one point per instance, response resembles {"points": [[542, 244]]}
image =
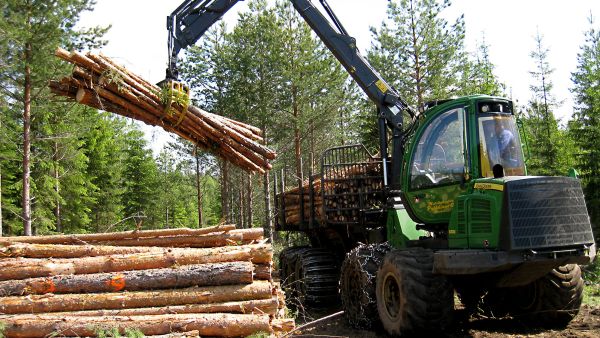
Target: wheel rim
{"points": [[391, 296]]}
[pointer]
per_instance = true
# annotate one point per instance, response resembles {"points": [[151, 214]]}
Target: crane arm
{"points": [[193, 18], [188, 23]]}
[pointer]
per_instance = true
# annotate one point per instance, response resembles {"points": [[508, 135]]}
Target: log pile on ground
{"points": [[339, 196], [98, 82], [211, 282]]}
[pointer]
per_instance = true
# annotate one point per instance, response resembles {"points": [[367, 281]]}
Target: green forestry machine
{"points": [[446, 206]]}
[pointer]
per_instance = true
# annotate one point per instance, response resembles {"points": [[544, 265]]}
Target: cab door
{"points": [[437, 168]]}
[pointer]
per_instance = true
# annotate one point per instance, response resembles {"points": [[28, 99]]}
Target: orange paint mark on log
{"points": [[116, 283], [45, 286]]}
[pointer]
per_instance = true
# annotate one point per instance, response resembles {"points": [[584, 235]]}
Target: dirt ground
{"points": [[586, 324]]}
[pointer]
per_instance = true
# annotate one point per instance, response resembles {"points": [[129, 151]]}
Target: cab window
{"points": [[439, 156], [499, 144]]}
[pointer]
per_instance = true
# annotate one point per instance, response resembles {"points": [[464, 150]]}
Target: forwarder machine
{"points": [[446, 206]]}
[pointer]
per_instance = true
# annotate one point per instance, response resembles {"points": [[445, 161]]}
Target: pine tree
{"points": [[32, 30], [585, 125], [418, 51]]}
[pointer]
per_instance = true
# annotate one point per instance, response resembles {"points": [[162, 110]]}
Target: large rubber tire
{"points": [[410, 298], [357, 284], [287, 273], [551, 301], [317, 275]]}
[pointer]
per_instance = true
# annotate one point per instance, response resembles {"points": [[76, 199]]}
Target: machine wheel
{"points": [[357, 284], [410, 297], [551, 301], [287, 272], [317, 274]]}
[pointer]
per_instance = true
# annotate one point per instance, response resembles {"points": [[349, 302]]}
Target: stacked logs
{"points": [[98, 82], [293, 197], [212, 282], [341, 195]]}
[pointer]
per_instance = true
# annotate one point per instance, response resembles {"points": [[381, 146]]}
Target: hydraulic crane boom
{"points": [[194, 17]]}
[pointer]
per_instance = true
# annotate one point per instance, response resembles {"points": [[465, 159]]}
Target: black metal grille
{"points": [[352, 186], [547, 212]]}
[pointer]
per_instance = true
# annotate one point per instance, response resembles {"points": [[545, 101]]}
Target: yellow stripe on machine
{"points": [[489, 186]]}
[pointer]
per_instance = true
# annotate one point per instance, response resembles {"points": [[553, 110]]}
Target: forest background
{"points": [[65, 168]]}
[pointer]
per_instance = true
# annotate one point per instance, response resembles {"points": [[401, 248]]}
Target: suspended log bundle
{"points": [[156, 282], [98, 82]]}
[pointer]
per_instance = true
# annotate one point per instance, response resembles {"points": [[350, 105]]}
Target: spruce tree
{"points": [[585, 125], [541, 125], [32, 30], [478, 74]]}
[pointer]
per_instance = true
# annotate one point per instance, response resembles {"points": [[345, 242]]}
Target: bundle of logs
{"points": [[98, 82], [340, 195], [206, 282]]}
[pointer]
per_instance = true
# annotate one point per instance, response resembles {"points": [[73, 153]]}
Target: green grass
{"points": [[591, 276], [591, 295], [115, 333], [259, 335]]}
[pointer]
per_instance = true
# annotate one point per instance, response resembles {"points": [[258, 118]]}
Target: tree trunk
{"points": [[77, 251], [114, 236], [55, 162], [211, 274], [27, 143], [208, 324], [297, 136], [135, 299], [241, 202], [249, 201], [139, 261], [198, 188], [224, 192], [268, 221], [233, 237], [255, 306]]}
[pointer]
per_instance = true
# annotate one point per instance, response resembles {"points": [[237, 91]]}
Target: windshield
{"points": [[499, 143]]}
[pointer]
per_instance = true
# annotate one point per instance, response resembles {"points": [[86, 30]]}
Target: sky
{"points": [[138, 37]]}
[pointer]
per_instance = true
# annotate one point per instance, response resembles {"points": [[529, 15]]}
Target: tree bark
{"points": [[211, 274], [114, 236], [249, 201], [254, 306], [27, 143], [262, 272], [241, 203], [140, 261], [57, 209], [198, 187], [224, 192], [259, 253], [233, 237], [208, 324], [268, 221], [135, 299]]}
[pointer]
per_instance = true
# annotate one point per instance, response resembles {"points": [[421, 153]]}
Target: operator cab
{"points": [[459, 140]]}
